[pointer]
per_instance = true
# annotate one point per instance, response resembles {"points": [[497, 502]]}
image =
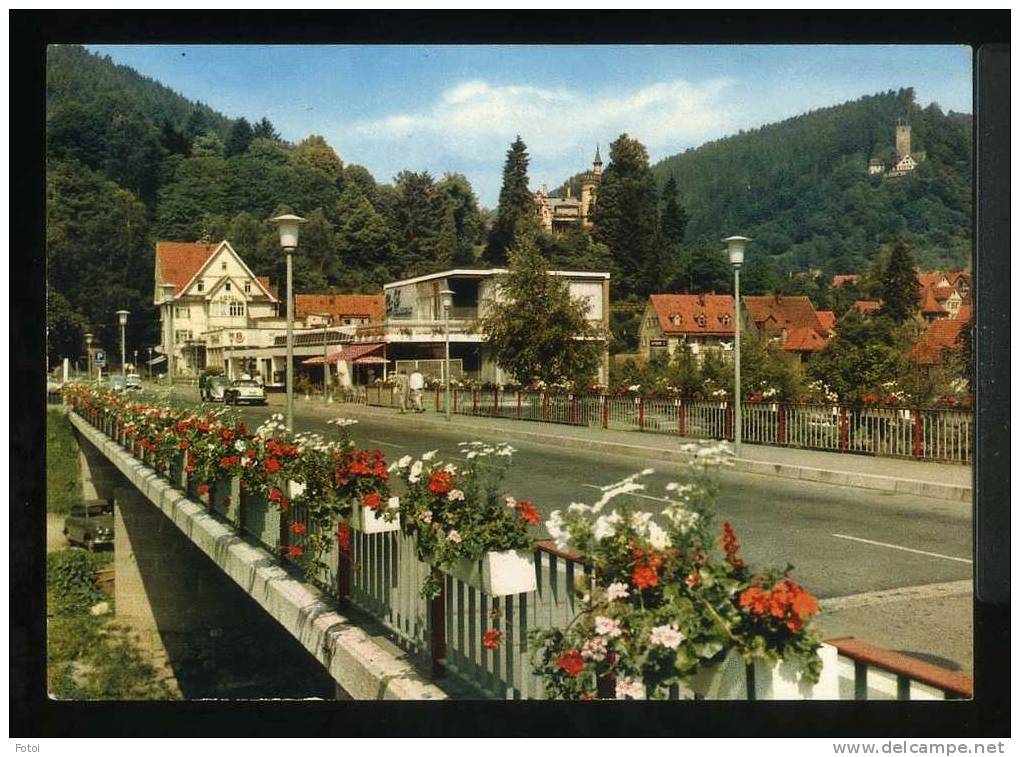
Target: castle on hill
{"points": [[558, 214], [905, 160]]}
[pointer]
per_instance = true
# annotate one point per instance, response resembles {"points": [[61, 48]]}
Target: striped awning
{"points": [[350, 353]]}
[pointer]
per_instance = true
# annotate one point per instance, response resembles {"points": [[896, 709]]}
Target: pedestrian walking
{"points": [[416, 383], [401, 387]]}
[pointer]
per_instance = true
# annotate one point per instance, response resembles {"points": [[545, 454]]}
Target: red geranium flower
{"points": [[571, 663], [343, 536], [441, 482], [492, 638], [272, 465], [527, 511], [295, 551], [297, 528], [189, 469], [203, 489], [372, 500], [803, 604], [645, 577], [731, 546]]}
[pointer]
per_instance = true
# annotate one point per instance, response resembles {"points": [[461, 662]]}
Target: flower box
{"points": [[369, 521], [260, 518], [732, 678], [499, 574], [224, 497]]}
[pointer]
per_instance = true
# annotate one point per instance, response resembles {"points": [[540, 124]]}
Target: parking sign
{"points": [[99, 359]]}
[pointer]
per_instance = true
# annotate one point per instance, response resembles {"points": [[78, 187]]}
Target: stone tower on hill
{"points": [[902, 138]]}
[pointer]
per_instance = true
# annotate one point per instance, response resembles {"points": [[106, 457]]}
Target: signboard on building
{"points": [[656, 342], [395, 308]]}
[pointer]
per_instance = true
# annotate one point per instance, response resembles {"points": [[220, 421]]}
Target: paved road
{"points": [[841, 541]]}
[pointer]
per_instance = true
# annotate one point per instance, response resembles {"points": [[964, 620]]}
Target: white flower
{"points": [[640, 522], [455, 495], [666, 636], [505, 450], [657, 536], [454, 537], [415, 474], [609, 627], [429, 455], [511, 502], [555, 528], [342, 422], [403, 462], [628, 688], [579, 507], [617, 590], [605, 525], [594, 649], [450, 468], [426, 517], [471, 455]]}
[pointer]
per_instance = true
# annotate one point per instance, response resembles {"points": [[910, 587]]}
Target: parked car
{"points": [[90, 524], [244, 389], [212, 388], [133, 382], [118, 383]]}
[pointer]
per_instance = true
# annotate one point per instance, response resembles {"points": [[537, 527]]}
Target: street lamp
{"points": [[736, 249], [447, 301], [150, 363], [289, 226], [325, 365], [88, 349], [168, 296], [122, 317]]}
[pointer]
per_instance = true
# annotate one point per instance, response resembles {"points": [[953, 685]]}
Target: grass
{"points": [[90, 657], [63, 486]]}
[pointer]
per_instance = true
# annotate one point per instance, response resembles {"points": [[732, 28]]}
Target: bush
{"points": [[71, 577], [62, 488]]}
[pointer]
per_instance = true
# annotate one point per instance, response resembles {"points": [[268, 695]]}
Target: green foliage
{"points": [[626, 216], [899, 287], [864, 354], [63, 487], [71, 579], [516, 211], [533, 327], [674, 217]]}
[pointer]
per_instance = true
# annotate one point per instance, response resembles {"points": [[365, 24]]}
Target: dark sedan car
{"points": [[90, 524]]}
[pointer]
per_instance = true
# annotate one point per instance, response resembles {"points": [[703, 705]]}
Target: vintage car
{"points": [[213, 387], [133, 382], [244, 390], [90, 524]]}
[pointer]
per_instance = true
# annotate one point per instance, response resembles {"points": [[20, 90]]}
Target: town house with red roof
{"points": [[792, 321], [703, 322]]}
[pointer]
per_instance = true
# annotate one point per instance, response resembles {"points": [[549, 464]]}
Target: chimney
{"points": [[701, 300]]}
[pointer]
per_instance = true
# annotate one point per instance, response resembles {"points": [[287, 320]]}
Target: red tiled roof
{"points": [[943, 334], [964, 313], [866, 307], [803, 339], [178, 262], [827, 318], [929, 304], [777, 312], [943, 293], [845, 278], [371, 306], [265, 281], [930, 279], [694, 313]]}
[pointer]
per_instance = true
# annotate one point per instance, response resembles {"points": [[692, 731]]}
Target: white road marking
{"points": [[632, 494], [385, 444], [902, 594], [904, 549]]}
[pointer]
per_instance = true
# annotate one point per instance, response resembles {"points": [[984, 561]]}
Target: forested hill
{"points": [[130, 162], [801, 190]]}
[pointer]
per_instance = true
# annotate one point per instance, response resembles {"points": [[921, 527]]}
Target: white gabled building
{"points": [[214, 292]]}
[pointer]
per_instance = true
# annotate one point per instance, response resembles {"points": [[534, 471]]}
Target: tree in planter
{"points": [[535, 329]]}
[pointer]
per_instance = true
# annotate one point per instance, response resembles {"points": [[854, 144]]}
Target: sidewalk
{"points": [[926, 479]]}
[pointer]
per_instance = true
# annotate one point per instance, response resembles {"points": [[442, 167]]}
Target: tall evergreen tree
{"points": [[899, 287], [674, 217], [516, 204], [626, 217], [240, 137], [263, 129]]}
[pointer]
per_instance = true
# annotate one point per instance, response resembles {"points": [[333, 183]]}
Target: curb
{"points": [[362, 667], [890, 484]]}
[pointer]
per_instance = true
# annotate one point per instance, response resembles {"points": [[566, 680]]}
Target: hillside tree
{"points": [[516, 210]]}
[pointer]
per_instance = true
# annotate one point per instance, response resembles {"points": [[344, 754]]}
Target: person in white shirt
{"points": [[417, 385]]}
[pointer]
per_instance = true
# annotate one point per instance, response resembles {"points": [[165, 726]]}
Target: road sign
{"points": [[99, 359]]}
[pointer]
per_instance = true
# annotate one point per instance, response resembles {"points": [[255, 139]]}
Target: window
{"points": [[182, 336], [201, 285], [223, 265], [236, 308], [181, 312], [247, 287]]}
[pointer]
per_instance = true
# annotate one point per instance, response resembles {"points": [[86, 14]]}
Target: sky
{"points": [[457, 108]]}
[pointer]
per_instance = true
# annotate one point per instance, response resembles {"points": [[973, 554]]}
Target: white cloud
{"points": [[472, 122]]}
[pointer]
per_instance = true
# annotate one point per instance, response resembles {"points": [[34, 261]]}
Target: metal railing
{"points": [[936, 434], [380, 573]]}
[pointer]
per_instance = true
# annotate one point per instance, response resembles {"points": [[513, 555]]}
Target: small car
{"points": [[133, 382], [90, 524], [118, 383], [244, 389], [213, 388]]}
